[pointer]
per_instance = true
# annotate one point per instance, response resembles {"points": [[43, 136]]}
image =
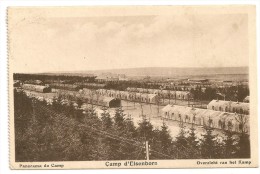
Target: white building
{"points": [[229, 106]]}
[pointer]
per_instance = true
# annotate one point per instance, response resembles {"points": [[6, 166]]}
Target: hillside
{"points": [[211, 73], [168, 71]]}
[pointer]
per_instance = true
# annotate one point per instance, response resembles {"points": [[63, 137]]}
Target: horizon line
{"points": [[75, 71]]}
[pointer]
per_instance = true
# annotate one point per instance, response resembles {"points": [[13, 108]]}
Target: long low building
{"points": [[172, 94], [71, 87], [201, 117], [126, 95], [34, 82], [229, 106], [37, 88], [91, 97], [17, 83], [90, 85]]}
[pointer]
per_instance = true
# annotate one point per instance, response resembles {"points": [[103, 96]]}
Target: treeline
{"points": [[233, 93], [63, 133], [48, 77]]}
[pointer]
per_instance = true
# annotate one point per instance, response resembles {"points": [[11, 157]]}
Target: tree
{"points": [[119, 119], [165, 139], [129, 150], [244, 141], [119, 145], [91, 118], [161, 142], [193, 144], [244, 146], [145, 130], [130, 129], [79, 102], [70, 110], [109, 143], [79, 116], [192, 138], [158, 102], [57, 103], [169, 96], [89, 143], [181, 142], [210, 93], [106, 119], [208, 143], [229, 143]]}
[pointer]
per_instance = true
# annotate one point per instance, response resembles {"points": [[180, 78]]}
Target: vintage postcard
{"points": [[132, 87]]}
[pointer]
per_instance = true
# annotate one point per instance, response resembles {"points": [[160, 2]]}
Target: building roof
{"points": [[90, 84], [198, 80], [108, 99], [205, 113], [35, 86], [182, 92], [101, 78], [242, 105], [223, 103], [152, 95], [36, 82], [17, 81], [64, 85], [217, 103], [124, 92], [246, 99]]}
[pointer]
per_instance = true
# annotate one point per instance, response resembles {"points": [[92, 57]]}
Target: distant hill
{"points": [[223, 73], [167, 71]]}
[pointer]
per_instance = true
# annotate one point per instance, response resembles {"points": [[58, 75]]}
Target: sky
{"points": [[39, 41]]}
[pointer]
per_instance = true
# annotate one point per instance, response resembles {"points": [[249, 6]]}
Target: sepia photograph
{"points": [[132, 87]]}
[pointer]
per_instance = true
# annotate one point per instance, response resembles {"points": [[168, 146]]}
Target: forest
{"points": [[58, 132]]}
